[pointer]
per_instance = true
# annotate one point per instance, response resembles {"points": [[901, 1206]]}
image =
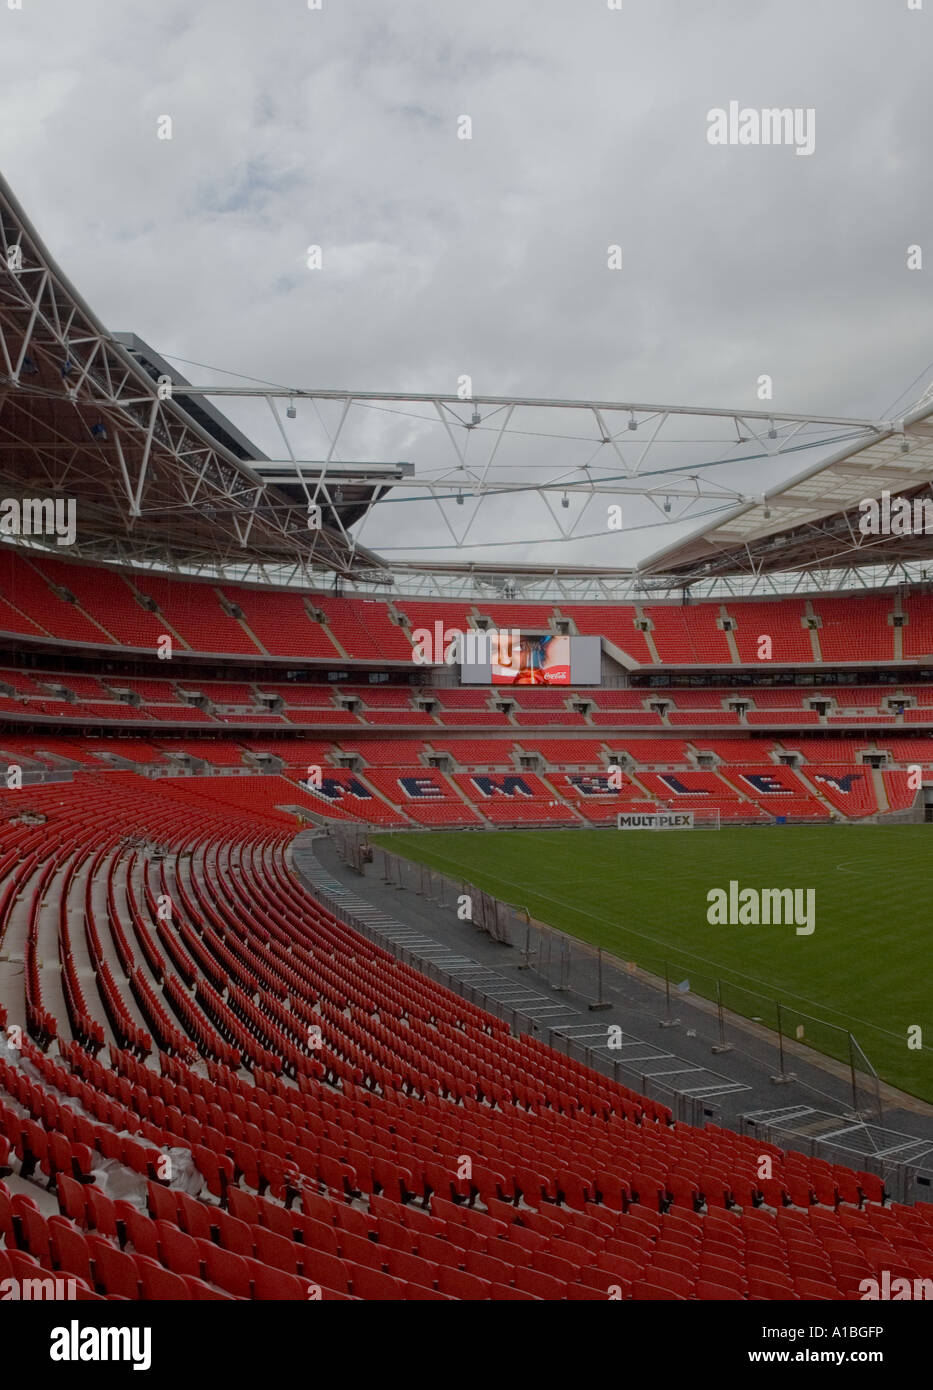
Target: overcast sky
{"points": [[487, 256]]}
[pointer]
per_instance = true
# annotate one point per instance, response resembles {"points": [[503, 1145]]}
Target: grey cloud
{"points": [[487, 257]]}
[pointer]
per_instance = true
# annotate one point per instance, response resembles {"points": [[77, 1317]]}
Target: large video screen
{"points": [[520, 658]]}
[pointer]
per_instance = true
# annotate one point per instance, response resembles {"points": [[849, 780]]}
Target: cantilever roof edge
{"points": [[888, 465]]}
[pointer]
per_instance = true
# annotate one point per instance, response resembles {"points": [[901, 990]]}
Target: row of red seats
{"points": [[46, 597], [399, 1083]]}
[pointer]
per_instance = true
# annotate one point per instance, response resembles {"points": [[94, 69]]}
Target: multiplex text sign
{"points": [[662, 820]]}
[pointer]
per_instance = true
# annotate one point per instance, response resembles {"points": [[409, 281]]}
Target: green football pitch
{"points": [[867, 967]]}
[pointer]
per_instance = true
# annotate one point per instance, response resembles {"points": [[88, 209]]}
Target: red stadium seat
{"points": [[325, 1092]]}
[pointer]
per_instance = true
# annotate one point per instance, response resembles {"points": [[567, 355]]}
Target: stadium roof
{"points": [[164, 479], [812, 520], [159, 477]]}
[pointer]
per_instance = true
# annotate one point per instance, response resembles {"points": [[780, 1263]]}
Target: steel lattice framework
{"points": [[163, 480], [79, 417]]}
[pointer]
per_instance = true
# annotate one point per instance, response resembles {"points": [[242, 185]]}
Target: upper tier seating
{"points": [[525, 617], [44, 596], [28, 593], [194, 612], [780, 619], [363, 629], [108, 601], [855, 628], [689, 635], [281, 623], [615, 622]]}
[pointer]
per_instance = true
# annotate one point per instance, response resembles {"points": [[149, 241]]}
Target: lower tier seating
{"points": [[232, 1095], [511, 780]]}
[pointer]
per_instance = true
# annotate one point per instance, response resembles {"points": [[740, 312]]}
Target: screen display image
{"points": [[511, 657], [529, 660]]}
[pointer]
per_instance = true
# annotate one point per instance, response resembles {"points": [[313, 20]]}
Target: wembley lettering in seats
{"points": [[591, 784], [769, 784], [680, 788], [844, 783], [506, 785], [333, 790], [421, 789]]}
